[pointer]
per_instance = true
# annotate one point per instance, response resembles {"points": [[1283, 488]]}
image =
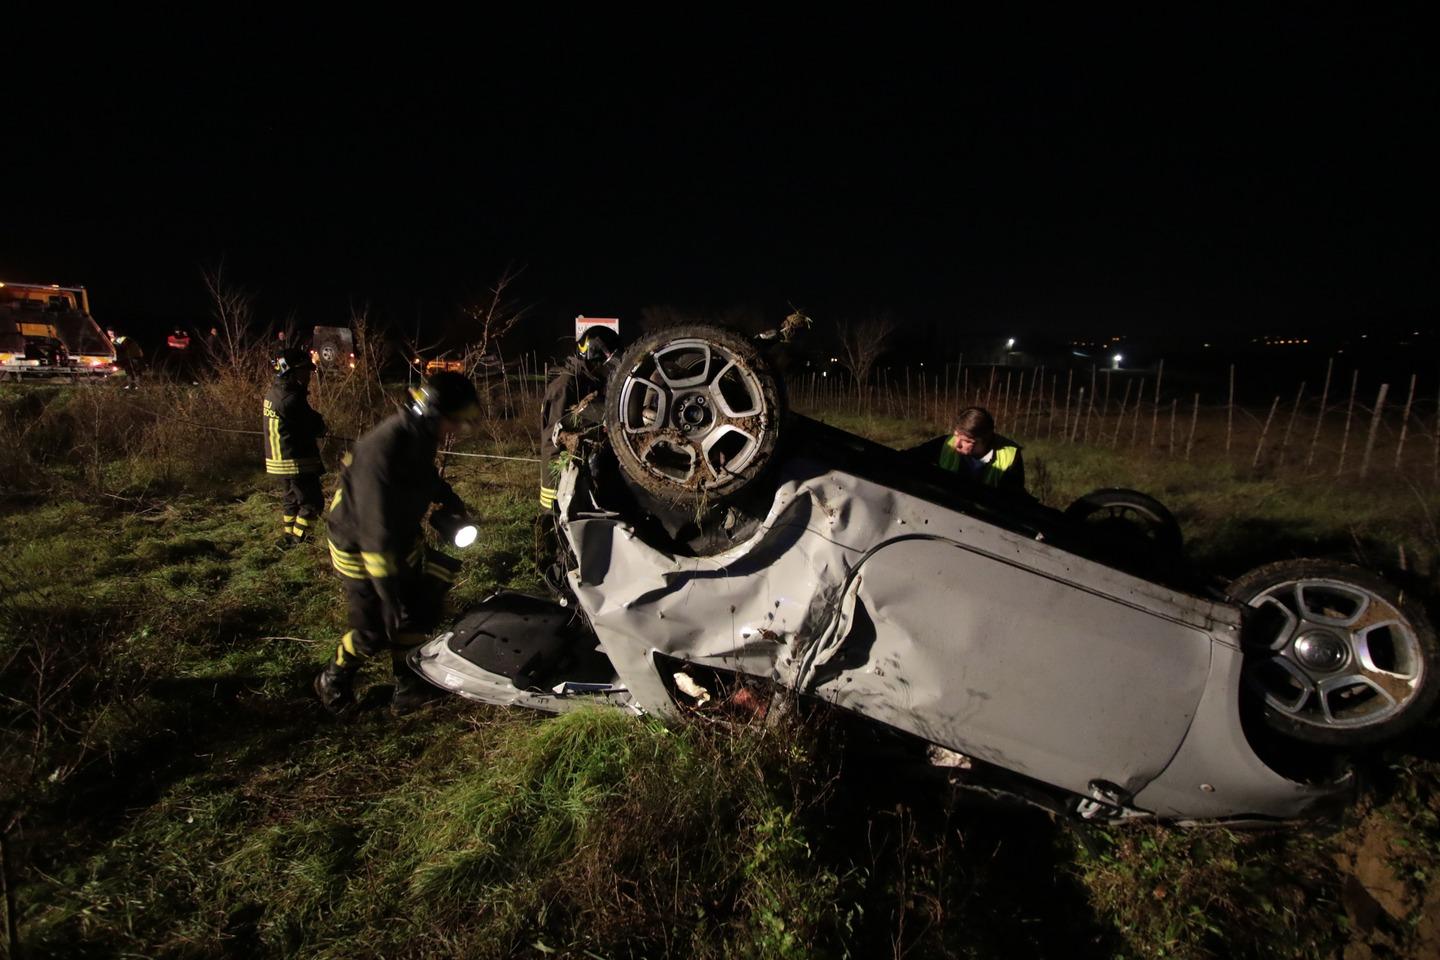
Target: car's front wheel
{"points": [[1339, 655]]}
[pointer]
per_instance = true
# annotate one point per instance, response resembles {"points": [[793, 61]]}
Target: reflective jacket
{"points": [[292, 430], [375, 519], [1005, 470], [575, 381]]}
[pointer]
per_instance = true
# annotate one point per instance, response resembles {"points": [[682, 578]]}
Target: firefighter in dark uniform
{"points": [[582, 375], [394, 584], [292, 450]]}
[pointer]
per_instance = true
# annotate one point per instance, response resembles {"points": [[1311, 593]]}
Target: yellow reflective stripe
{"points": [[547, 496], [305, 463], [380, 564], [347, 564], [439, 572], [272, 430], [346, 647], [303, 521], [1004, 460], [288, 517], [335, 500]]}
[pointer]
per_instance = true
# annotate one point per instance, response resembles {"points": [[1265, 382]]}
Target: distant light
{"points": [[1010, 344], [834, 359], [1207, 346], [1116, 360], [824, 373]]}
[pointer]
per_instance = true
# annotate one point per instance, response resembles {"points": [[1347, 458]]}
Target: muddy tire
{"points": [[1122, 516], [1338, 655], [694, 414]]}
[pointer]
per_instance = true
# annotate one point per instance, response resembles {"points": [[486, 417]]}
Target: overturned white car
{"points": [[719, 549]]}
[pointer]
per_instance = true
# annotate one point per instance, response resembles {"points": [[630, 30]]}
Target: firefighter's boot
{"points": [[334, 686], [412, 692]]}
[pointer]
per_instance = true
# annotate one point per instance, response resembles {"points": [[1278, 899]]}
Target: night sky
{"points": [[1107, 176]]}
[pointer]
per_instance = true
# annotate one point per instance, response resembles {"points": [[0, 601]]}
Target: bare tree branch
{"points": [[862, 343]]}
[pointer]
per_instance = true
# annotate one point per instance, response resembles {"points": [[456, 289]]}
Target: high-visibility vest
{"points": [[990, 473]]}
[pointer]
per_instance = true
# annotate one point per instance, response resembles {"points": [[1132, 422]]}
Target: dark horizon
{"points": [[1275, 179]]}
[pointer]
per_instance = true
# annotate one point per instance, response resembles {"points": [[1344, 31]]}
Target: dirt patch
{"points": [[1379, 902]]}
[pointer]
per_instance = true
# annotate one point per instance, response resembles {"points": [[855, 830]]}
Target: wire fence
{"points": [[1350, 424]]}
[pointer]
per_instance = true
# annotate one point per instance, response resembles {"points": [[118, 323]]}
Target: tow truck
{"points": [[46, 331]]}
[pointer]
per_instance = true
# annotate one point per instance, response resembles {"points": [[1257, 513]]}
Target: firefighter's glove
{"points": [[392, 604]]}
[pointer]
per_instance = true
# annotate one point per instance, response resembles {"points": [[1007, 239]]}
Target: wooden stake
{"points": [[1155, 420], [1069, 379], [1374, 428], [1090, 408], [1079, 405], [1349, 411], [1139, 403], [1290, 424], [1036, 377], [1435, 456], [1194, 416], [1120, 421], [1405, 422], [1050, 420], [1320, 418], [1261, 445], [1230, 415], [1174, 403]]}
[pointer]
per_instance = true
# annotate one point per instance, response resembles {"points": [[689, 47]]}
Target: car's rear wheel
{"points": [[1123, 516], [1340, 656], [694, 413]]}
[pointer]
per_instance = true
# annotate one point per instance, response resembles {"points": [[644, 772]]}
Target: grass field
{"points": [[170, 789]]}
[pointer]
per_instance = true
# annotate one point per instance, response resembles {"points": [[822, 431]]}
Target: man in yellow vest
{"points": [[976, 452]]}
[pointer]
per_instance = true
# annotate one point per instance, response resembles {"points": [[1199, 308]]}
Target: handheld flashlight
{"points": [[455, 528]]}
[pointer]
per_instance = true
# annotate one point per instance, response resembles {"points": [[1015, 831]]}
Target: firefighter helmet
{"points": [[293, 359], [446, 394], [597, 344]]}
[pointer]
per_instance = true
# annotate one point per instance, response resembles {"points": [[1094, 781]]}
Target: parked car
{"points": [[720, 550]]}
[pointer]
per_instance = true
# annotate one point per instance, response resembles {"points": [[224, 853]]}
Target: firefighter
{"points": [[128, 356], [292, 452], [394, 584], [581, 378]]}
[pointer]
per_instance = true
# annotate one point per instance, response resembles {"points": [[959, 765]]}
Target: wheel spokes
{"points": [[1331, 604], [644, 405], [736, 392], [671, 364], [1377, 666]]}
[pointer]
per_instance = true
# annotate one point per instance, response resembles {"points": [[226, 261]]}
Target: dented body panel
{"points": [[994, 632], [976, 638]]}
